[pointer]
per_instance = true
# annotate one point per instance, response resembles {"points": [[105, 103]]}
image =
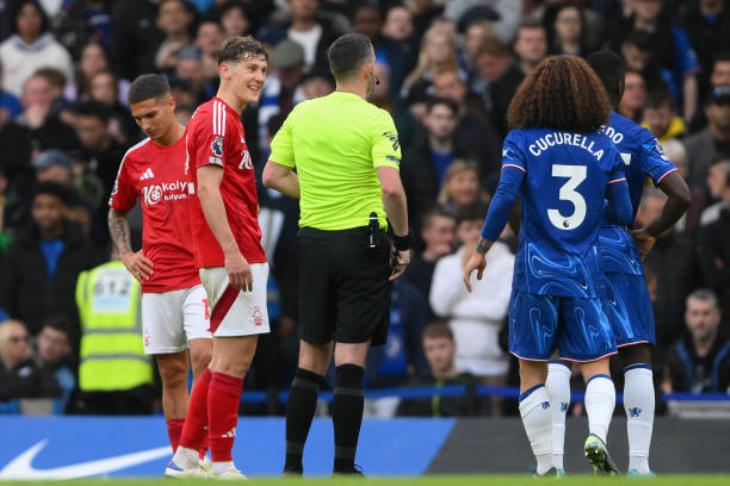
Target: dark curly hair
{"points": [[564, 94]]}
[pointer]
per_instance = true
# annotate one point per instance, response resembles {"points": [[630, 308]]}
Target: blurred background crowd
{"points": [[448, 70]]}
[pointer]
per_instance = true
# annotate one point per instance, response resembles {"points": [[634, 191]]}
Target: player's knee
{"points": [[349, 377], [173, 373], [200, 359], [234, 367]]}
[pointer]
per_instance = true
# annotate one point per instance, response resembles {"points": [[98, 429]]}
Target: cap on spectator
{"points": [[720, 95], [189, 52], [287, 54], [480, 13], [50, 158]]}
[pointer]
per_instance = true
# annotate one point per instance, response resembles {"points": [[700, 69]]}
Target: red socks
{"points": [[224, 397], [196, 422], [174, 431]]}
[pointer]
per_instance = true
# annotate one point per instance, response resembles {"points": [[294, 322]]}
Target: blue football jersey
{"points": [[643, 158], [564, 181]]}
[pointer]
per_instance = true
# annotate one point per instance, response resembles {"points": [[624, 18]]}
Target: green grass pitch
{"points": [[435, 480]]}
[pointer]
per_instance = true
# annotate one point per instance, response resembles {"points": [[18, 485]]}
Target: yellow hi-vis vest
{"points": [[112, 352]]}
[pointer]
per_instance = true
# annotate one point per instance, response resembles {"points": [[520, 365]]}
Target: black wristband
{"points": [[402, 243]]}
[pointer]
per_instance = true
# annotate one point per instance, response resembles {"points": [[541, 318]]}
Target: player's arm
{"points": [[122, 200], [500, 209], [667, 178], [136, 262], [210, 178], [386, 155], [279, 170], [281, 178]]}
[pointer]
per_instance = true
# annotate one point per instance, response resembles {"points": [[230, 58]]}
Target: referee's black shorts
{"points": [[344, 292]]}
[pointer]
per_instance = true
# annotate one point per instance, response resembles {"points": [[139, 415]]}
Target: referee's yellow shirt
{"points": [[335, 143]]}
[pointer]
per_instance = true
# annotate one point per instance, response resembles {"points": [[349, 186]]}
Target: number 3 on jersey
{"points": [[575, 175]]}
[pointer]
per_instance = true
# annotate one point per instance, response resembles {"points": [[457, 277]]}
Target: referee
{"points": [[346, 155]]}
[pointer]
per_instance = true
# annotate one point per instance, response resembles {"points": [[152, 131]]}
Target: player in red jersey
{"points": [[228, 250], [174, 303]]}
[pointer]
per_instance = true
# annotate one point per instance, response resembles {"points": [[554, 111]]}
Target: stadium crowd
{"points": [[447, 70]]}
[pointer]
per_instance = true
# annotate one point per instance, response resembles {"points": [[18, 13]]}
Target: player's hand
{"points": [[478, 262], [401, 259], [644, 241], [239, 272], [138, 265]]}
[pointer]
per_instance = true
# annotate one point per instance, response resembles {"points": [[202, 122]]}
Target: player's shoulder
{"points": [[136, 151]]}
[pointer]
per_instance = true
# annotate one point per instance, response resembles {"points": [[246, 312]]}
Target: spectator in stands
{"points": [[438, 54], [714, 244], [93, 61], [40, 268], [660, 116], [104, 89], [53, 166], [475, 318], [568, 32], [475, 130], [44, 129], [189, 69], [54, 357], [283, 89], [396, 49], [135, 37], [632, 104], [232, 16], [707, 23], [530, 46], [99, 148], [313, 32], [700, 361], [718, 77], [10, 106], [425, 162], [670, 45], [174, 19], [31, 48], [712, 143], [719, 190], [674, 263], [502, 76], [477, 32], [20, 376], [440, 350], [368, 21], [461, 187], [437, 234], [209, 39]]}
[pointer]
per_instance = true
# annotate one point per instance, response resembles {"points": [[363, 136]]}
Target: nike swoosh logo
{"points": [[22, 468]]}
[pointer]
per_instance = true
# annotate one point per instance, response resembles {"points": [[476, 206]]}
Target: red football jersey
{"points": [[156, 176], [216, 137]]}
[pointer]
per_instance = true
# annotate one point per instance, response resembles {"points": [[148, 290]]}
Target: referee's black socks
{"points": [[300, 410], [347, 410]]}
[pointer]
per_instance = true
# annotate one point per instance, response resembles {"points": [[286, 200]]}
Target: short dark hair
{"points": [[54, 76], [611, 70], [435, 101], [639, 39], [348, 53], [92, 109], [238, 48], [148, 86], [722, 56], [53, 189], [563, 94], [58, 323], [657, 98], [471, 212], [16, 13], [436, 212], [437, 330]]}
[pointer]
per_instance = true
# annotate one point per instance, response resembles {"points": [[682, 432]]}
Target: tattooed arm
{"points": [[136, 262]]}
